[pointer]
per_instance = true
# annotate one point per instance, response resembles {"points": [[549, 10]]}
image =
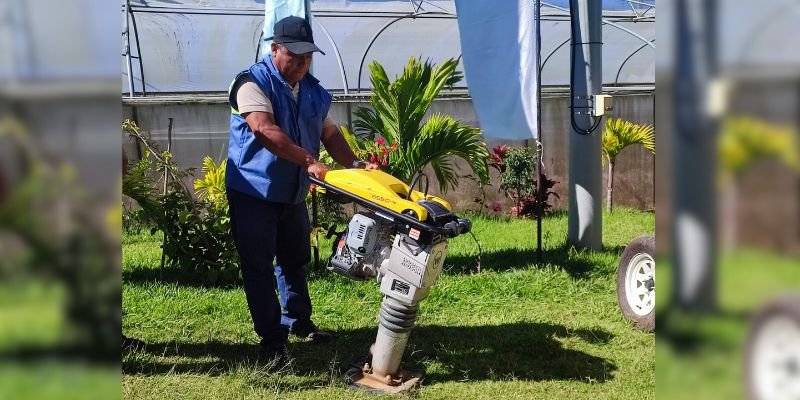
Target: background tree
{"points": [[397, 113], [743, 143], [618, 135]]}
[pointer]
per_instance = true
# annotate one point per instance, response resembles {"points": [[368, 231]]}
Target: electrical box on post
{"points": [[601, 103]]}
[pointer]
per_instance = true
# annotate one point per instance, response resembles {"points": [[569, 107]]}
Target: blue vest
{"points": [[254, 170]]}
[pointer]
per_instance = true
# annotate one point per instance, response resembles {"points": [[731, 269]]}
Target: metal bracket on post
{"points": [[600, 104]]}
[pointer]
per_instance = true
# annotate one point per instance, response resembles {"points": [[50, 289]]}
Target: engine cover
{"points": [[360, 250], [362, 234]]}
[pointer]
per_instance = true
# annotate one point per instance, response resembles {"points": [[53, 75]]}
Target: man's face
{"points": [[292, 66]]}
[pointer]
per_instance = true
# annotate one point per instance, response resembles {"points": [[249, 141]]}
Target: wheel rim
{"points": [[775, 359], [640, 278]]}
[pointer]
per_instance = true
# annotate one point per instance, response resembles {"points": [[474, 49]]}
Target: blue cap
{"points": [[295, 34]]}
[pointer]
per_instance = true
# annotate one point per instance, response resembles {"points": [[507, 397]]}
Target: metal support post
{"points": [[585, 171]]}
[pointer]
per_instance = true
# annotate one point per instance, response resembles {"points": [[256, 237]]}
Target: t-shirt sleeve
{"points": [[328, 122], [250, 98]]}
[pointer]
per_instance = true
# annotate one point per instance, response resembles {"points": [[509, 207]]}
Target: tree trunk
{"points": [[729, 209], [610, 186]]}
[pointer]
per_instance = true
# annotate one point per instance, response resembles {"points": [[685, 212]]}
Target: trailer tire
{"points": [[772, 359], [636, 282]]}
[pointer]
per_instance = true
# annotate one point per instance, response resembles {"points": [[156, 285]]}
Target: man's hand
{"points": [[317, 170], [275, 140], [372, 166]]}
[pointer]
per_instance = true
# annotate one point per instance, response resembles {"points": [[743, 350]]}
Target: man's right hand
{"points": [[318, 170]]}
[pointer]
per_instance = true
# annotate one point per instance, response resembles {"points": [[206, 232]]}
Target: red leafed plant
{"points": [[380, 152], [497, 157]]}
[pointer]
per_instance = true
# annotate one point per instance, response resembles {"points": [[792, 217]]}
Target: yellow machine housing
{"points": [[383, 189]]}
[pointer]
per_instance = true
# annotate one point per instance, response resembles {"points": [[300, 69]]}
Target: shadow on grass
{"points": [[200, 279], [690, 331], [526, 351], [63, 352], [577, 264]]}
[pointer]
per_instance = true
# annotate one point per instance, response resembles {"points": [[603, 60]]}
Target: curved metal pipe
{"points": [[380, 31], [541, 68], [139, 54], [390, 23], [375, 37], [607, 22], [259, 29], [616, 80], [128, 47], [336, 53]]}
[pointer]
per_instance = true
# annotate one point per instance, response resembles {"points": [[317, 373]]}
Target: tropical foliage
{"points": [[618, 135], [518, 180], [397, 116], [196, 225], [746, 140], [211, 186], [55, 232], [743, 142]]}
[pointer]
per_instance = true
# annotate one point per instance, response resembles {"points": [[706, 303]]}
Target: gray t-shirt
{"points": [[250, 98]]}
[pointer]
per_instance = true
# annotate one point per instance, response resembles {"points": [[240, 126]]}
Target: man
{"points": [[279, 117]]}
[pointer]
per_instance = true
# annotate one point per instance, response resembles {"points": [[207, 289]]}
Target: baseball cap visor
{"points": [[301, 47]]}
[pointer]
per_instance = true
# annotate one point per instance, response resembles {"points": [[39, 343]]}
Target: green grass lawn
{"points": [[701, 356], [32, 363], [517, 329]]}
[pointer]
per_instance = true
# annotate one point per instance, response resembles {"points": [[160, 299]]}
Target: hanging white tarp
{"points": [[275, 11], [498, 44]]}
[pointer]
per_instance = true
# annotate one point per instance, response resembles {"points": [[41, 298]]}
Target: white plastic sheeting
{"points": [[33, 35], [501, 61], [199, 46]]}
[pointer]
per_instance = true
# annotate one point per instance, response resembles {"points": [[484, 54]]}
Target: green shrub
{"points": [[136, 221], [196, 225], [518, 180]]}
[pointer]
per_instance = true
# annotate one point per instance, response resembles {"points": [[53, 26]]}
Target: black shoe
{"points": [[311, 333], [131, 344], [278, 355]]}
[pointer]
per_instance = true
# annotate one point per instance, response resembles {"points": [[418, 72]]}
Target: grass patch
{"points": [[58, 379], [519, 328], [36, 360], [701, 356]]}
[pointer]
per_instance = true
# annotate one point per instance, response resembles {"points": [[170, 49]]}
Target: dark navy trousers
{"points": [[264, 232]]}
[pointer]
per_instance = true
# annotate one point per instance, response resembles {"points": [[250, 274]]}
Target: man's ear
{"points": [[273, 48]]}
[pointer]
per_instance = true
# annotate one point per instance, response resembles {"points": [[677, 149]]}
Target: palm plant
{"points": [[211, 187], [397, 113], [746, 140], [618, 135], [742, 143]]}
